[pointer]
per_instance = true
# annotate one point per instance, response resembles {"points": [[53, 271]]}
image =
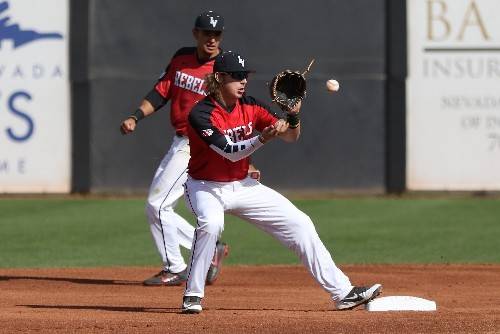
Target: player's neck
{"points": [[227, 102], [203, 56]]}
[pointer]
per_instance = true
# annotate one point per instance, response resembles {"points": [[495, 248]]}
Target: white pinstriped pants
{"points": [[269, 211], [170, 230]]}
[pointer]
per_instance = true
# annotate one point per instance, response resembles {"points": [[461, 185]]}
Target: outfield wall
{"points": [[343, 141]]}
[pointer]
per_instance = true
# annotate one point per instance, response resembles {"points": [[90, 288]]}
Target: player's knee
{"points": [[303, 226], [157, 199], [300, 220], [152, 200], [154, 209], [150, 209], [212, 226]]}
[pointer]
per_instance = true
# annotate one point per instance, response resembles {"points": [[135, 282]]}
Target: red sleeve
{"points": [[164, 84], [264, 116]]}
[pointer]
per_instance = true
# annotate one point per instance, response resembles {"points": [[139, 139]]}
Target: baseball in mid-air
{"points": [[332, 85]]}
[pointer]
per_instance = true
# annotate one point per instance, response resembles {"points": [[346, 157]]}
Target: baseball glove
{"points": [[288, 87]]}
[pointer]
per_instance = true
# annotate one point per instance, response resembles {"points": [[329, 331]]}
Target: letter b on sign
{"points": [[441, 25]]}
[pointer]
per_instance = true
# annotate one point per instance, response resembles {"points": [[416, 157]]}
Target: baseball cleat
{"points": [[359, 295], [165, 278], [221, 251], [191, 305]]}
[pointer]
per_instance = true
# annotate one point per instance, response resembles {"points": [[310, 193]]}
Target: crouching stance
{"points": [[220, 131]]}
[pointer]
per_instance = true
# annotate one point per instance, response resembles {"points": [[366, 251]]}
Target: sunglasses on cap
{"points": [[238, 75]]}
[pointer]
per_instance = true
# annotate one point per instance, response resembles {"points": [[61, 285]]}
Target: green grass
{"points": [[112, 232]]}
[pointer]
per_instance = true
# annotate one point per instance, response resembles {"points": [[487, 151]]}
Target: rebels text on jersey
{"points": [[183, 82], [221, 140]]}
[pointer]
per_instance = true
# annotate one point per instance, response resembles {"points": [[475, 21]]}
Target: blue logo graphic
{"points": [[16, 34]]}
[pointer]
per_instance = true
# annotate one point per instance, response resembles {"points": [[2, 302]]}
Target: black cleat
{"points": [[191, 305], [359, 295], [165, 278], [221, 251]]}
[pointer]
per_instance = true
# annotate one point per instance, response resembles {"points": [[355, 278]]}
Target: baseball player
{"points": [[183, 84], [221, 133]]}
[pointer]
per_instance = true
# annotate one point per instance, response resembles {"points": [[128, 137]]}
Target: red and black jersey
{"points": [[215, 132], [183, 84]]}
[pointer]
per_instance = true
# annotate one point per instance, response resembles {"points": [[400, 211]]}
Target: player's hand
{"points": [[296, 109], [273, 131], [267, 134], [128, 126], [280, 126]]}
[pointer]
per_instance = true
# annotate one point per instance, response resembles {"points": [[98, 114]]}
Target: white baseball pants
{"points": [[269, 211], [169, 230]]}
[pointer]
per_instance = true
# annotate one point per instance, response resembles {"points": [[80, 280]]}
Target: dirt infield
{"points": [[273, 299]]}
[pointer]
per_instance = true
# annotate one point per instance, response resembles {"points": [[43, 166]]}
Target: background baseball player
{"points": [[220, 131], [183, 84]]}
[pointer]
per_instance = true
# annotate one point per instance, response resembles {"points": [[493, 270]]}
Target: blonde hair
{"points": [[213, 87]]}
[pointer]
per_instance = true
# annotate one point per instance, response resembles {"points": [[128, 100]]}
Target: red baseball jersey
{"points": [[183, 83], [214, 130]]}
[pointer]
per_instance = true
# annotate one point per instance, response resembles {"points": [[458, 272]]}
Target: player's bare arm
{"points": [[291, 135]]}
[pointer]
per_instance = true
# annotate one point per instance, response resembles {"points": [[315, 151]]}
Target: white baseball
{"points": [[332, 85]]}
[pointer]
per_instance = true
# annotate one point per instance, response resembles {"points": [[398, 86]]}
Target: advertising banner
{"points": [[453, 95], [35, 137]]}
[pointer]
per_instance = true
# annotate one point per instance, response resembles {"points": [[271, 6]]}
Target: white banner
{"points": [[453, 95], [35, 138]]}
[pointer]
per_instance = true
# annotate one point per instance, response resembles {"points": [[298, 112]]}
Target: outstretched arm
{"points": [[154, 100], [201, 122], [271, 126]]}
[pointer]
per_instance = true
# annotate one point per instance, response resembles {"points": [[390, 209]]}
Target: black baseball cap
{"points": [[209, 21], [230, 61]]}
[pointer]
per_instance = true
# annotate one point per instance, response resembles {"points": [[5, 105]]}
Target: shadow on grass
{"points": [[72, 280]]}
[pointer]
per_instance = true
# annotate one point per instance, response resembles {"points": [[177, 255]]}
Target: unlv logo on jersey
{"points": [[207, 132]]}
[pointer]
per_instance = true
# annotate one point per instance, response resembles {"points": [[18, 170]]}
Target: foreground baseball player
{"points": [[183, 84], [220, 131]]}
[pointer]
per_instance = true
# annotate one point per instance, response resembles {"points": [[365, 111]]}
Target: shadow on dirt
{"points": [[159, 309], [72, 280], [107, 308]]}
